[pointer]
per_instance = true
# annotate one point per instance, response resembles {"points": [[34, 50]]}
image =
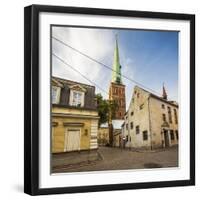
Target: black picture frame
{"points": [[31, 98]]}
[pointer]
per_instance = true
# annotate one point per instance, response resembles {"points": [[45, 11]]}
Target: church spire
{"points": [[116, 73], [164, 93]]}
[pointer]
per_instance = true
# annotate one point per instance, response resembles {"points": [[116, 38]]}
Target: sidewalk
{"points": [[108, 158], [70, 160]]}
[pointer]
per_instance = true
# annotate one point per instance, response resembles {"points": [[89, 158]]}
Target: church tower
{"points": [[117, 89]]}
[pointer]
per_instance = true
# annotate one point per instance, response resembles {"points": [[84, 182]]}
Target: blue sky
{"points": [[149, 57]]}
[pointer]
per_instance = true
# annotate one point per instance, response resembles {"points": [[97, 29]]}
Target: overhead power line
{"points": [[106, 66], [74, 69]]}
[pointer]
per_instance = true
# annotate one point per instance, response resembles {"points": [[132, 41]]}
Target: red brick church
{"points": [[117, 89]]}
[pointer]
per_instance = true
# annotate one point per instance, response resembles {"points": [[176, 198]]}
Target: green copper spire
{"points": [[116, 73]]}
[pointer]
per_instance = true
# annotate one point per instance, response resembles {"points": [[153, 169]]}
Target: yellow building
{"points": [[103, 136], [74, 116], [151, 121]]}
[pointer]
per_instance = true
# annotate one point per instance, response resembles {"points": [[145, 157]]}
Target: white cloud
{"points": [[96, 43]]}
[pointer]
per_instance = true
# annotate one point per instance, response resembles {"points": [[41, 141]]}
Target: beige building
{"points": [[117, 138], [103, 133], [74, 116], [151, 121]]}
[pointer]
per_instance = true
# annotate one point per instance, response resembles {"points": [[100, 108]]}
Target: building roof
{"points": [[62, 80], [173, 103], [117, 123], [116, 73], [66, 85]]}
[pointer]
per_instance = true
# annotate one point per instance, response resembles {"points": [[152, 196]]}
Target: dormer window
{"points": [[77, 96], [55, 94]]}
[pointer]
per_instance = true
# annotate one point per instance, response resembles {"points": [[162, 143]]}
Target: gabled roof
{"points": [[57, 83], [70, 82], [173, 103], [78, 87], [67, 85]]}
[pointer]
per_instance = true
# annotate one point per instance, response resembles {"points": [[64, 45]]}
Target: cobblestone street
{"points": [[117, 159]]}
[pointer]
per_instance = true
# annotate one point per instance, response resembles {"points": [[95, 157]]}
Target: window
{"points": [[131, 125], [137, 129], [172, 134], [169, 114], [126, 126], [138, 95], [122, 102], [77, 98], [175, 116], [55, 94], [163, 106], [120, 114], [176, 134], [145, 135], [164, 117], [141, 106], [132, 113]]}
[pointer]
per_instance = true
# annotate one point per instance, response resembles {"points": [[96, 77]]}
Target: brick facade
{"points": [[117, 93]]}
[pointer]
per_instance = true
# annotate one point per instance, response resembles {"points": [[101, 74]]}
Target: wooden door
{"points": [[73, 140]]}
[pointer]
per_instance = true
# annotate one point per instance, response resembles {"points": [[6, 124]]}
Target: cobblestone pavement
{"points": [[118, 159]]}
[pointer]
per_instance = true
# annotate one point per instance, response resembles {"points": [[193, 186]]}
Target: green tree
{"points": [[113, 106], [104, 107]]}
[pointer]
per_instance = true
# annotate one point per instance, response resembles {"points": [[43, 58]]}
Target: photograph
{"points": [[109, 99], [114, 99]]}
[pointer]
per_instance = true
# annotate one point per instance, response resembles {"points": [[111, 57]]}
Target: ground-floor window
{"points": [[127, 138], [126, 126], [177, 134], [137, 129], [172, 134], [131, 125], [145, 135]]}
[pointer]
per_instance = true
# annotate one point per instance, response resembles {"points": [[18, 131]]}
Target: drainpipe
{"points": [[129, 141], [150, 124]]}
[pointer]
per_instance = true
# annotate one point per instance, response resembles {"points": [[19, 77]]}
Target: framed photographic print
{"points": [[109, 99]]}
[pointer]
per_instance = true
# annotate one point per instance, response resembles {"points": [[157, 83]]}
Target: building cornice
{"points": [[73, 107], [74, 116]]}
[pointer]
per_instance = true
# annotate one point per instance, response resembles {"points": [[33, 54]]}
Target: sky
{"points": [[148, 57]]}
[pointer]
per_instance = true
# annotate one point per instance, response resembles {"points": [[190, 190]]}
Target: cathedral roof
{"points": [[116, 73]]}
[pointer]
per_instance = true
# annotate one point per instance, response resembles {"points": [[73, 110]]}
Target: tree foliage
{"points": [[105, 107]]}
